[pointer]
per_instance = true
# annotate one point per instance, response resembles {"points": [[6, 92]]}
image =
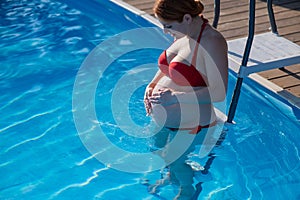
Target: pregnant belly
{"points": [[176, 115]]}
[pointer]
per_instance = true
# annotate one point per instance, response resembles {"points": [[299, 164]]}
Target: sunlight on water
{"points": [[33, 139], [112, 190], [75, 185], [27, 120]]}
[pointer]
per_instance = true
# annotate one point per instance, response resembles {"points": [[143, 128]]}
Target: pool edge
{"points": [[137, 11], [293, 100]]}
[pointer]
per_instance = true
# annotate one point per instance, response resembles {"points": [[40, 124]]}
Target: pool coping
{"points": [[293, 100]]}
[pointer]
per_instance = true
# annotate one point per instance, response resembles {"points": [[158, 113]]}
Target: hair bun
{"points": [[200, 6]]}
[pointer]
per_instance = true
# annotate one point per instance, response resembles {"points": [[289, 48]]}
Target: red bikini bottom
{"points": [[195, 130]]}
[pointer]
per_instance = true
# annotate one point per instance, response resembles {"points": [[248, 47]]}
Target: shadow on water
{"points": [[290, 4]]}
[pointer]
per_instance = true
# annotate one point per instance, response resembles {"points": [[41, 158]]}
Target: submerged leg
{"points": [[184, 175]]}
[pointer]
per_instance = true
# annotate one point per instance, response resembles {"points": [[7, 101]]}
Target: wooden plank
{"points": [[287, 82], [146, 6], [234, 8], [281, 20], [231, 14], [141, 4], [288, 29], [294, 90], [295, 37], [149, 10], [133, 2], [279, 73], [287, 78]]}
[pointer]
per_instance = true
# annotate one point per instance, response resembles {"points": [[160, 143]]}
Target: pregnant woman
{"points": [[192, 75]]}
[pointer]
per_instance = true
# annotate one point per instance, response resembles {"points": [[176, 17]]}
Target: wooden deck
{"points": [[233, 24]]}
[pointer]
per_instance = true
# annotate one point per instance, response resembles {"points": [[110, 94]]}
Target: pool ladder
{"points": [[259, 64]]}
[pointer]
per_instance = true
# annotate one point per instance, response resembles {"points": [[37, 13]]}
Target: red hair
{"points": [[174, 10]]}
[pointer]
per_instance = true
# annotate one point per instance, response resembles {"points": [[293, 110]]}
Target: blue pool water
{"points": [[43, 45]]}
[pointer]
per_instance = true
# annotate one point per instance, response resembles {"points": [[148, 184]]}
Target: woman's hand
{"points": [[165, 97], [147, 102]]}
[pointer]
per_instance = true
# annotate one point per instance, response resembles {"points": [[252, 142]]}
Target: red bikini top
{"points": [[180, 73]]}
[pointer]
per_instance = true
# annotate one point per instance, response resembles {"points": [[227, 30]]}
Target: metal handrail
{"points": [[247, 50], [216, 13], [271, 16]]}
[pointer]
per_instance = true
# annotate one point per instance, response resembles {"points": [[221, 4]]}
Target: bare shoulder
{"points": [[213, 39], [215, 48]]}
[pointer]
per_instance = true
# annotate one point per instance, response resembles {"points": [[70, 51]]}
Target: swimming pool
{"points": [[43, 45]]}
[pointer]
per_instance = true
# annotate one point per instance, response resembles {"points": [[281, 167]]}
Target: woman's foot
{"points": [[185, 193]]}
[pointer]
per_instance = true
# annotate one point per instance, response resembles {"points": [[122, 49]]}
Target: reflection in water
{"points": [[190, 169]]}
